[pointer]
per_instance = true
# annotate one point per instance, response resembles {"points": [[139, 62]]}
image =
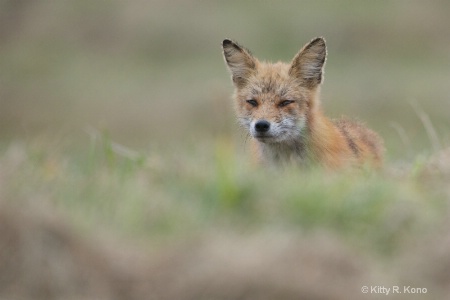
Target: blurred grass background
{"points": [[117, 116], [150, 72]]}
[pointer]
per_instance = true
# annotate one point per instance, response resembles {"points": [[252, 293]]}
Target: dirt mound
{"points": [[43, 258]]}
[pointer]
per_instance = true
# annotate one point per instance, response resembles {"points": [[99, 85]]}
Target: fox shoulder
{"points": [[362, 141]]}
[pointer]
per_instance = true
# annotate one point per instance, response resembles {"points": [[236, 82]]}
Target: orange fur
{"points": [[279, 105]]}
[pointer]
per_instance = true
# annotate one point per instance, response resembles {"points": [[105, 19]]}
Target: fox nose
{"points": [[262, 126]]}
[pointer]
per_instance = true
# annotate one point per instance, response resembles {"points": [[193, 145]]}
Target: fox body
{"points": [[279, 105]]}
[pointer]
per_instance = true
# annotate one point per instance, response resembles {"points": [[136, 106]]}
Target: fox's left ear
{"points": [[239, 60], [308, 64]]}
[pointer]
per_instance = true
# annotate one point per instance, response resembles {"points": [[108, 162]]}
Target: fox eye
{"points": [[285, 103], [252, 102]]}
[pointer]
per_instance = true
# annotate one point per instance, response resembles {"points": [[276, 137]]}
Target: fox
{"points": [[279, 105]]}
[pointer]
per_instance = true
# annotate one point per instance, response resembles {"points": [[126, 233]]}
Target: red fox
{"points": [[279, 105]]}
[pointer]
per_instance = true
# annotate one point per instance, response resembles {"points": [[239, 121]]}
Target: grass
{"points": [[201, 201], [117, 118], [152, 196]]}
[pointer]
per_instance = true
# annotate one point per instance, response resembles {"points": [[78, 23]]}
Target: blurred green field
{"points": [[150, 72], [116, 117]]}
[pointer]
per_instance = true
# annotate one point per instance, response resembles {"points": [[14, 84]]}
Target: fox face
{"points": [[279, 106], [273, 101]]}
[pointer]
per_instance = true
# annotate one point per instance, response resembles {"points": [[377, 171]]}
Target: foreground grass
{"points": [[169, 193], [196, 221]]}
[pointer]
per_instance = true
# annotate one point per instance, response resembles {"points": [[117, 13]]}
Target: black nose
{"points": [[262, 126]]}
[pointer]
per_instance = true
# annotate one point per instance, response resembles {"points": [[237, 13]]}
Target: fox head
{"points": [[276, 101]]}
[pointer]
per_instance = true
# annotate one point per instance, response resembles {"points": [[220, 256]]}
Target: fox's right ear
{"points": [[239, 60]]}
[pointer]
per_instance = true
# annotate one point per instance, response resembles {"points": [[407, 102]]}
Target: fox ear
{"points": [[239, 60], [308, 64]]}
